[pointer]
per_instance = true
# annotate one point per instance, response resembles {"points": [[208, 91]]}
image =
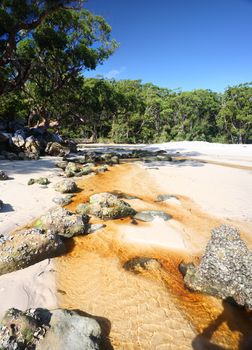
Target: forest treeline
{"points": [[45, 48]]}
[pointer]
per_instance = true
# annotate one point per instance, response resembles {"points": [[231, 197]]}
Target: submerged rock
{"points": [[150, 215], [108, 206], [165, 197], [66, 186], [139, 264], [28, 247], [225, 270], [63, 222], [42, 329]]}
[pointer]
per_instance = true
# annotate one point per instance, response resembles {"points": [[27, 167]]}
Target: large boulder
{"points": [[56, 149], [66, 186], [28, 247], [63, 222], [42, 329], [225, 270], [68, 330], [107, 206], [32, 147], [18, 330]]}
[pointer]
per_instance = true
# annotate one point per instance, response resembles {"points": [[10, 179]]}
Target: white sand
{"points": [[159, 233], [35, 285], [29, 288], [23, 203]]}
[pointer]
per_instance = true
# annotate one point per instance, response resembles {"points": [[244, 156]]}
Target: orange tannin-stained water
{"points": [[145, 308]]}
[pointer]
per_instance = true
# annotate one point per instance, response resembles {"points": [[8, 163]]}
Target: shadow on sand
{"points": [[237, 320]]}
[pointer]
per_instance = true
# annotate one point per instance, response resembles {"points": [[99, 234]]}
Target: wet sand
{"points": [[151, 309]]}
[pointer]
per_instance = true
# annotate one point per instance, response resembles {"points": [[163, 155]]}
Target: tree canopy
{"points": [[53, 39]]}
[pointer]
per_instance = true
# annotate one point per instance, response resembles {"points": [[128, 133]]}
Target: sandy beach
{"points": [[158, 313]]}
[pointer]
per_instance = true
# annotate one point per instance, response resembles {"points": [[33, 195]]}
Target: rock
{"points": [[3, 176], [165, 197], [101, 169], [66, 186], [68, 330], [40, 181], [4, 137], [71, 169], [138, 264], [42, 329], [86, 170], [62, 164], [1, 204], [150, 215], [123, 195], [108, 206], [225, 270], [63, 200], [28, 247], [56, 149], [63, 222], [114, 160], [10, 155], [95, 227], [18, 140], [82, 208], [32, 147], [17, 330]]}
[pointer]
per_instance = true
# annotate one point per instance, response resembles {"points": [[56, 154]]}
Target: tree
{"points": [[51, 40], [235, 116]]}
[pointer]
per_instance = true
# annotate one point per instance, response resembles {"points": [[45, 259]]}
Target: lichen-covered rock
{"points": [[108, 206], [62, 164], [225, 270], [68, 330], [63, 222], [17, 330], [42, 329], [3, 176], [83, 209], [28, 247], [150, 215], [71, 169], [86, 170], [66, 186], [39, 181], [63, 200]]}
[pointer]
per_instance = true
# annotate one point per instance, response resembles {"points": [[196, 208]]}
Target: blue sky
{"points": [[185, 44]]}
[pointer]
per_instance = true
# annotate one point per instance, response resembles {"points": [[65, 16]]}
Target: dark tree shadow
{"points": [[237, 319], [105, 325]]}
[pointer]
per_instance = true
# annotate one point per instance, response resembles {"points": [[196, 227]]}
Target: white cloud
{"points": [[114, 73]]}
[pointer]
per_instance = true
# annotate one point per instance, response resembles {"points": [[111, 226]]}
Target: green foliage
{"points": [[235, 116]]}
